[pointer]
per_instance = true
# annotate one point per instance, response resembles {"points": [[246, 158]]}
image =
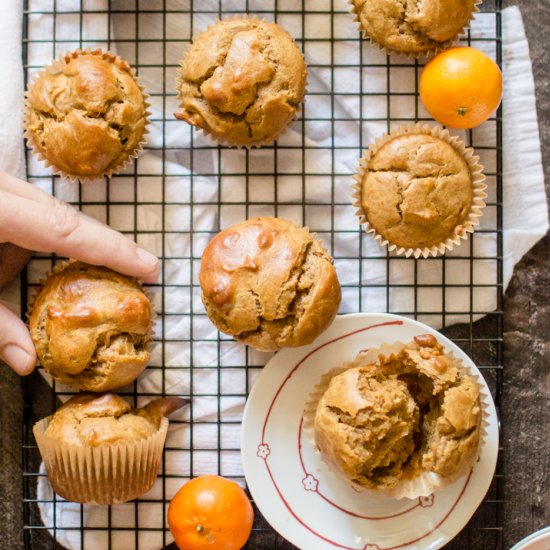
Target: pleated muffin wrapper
{"points": [[149, 337], [426, 54], [212, 135], [107, 474], [426, 482], [54, 68], [478, 187]]}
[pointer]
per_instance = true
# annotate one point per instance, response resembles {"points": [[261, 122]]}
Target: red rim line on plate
{"points": [[287, 505]]}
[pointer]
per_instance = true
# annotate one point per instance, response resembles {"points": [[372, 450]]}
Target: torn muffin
{"points": [[414, 26], [242, 81], [420, 190], [269, 283], [97, 449], [91, 327], [86, 114], [409, 413]]}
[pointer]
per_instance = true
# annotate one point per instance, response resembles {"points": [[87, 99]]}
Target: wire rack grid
{"points": [[184, 188]]}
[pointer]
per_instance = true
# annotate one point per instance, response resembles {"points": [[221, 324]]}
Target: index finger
{"points": [[51, 225]]}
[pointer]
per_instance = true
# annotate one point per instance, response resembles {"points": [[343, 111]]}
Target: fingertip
{"points": [[30, 366], [22, 361], [154, 275], [150, 264]]}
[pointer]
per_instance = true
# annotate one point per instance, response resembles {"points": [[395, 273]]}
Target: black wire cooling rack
{"points": [[185, 188]]}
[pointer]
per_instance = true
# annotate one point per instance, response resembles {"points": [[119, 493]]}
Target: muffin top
{"points": [[269, 283], [408, 413], [414, 26], [86, 115], [416, 191], [91, 327], [93, 420], [242, 81], [356, 404]]}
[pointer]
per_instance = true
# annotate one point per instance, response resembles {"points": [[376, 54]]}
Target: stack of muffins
{"points": [[266, 281], [91, 328]]}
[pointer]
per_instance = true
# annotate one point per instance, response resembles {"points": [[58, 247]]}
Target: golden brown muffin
{"points": [[99, 450], [93, 420], [86, 115], [413, 26], [417, 191], [269, 283], [91, 327], [409, 413], [242, 81]]}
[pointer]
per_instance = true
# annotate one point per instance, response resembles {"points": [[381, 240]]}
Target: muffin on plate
{"points": [[91, 327], [242, 81], [419, 190], [86, 114], [406, 423], [416, 26], [97, 449], [269, 283]]}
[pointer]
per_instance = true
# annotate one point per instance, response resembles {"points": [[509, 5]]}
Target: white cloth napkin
{"points": [[525, 217]]}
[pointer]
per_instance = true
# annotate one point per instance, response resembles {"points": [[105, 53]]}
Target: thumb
{"points": [[16, 347]]}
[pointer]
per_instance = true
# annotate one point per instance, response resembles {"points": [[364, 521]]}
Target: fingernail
{"points": [[146, 257], [17, 358]]}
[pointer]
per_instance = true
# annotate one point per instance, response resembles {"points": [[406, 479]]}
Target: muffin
{"points": [[413, 413], [86, 114], [419, 190], [97, 449], [416, 26], [91, 327], [242, 81], [269, 283]]}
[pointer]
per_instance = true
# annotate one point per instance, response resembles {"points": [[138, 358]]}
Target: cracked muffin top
{"points": [[410, 412], [242, 81], [413, 26], [93, 420], [86, 115], [91, 327], [416, 191], [269, 283]]}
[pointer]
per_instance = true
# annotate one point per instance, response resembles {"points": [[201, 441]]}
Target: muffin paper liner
{"points": [[426, 482], [478, 184], [54, 68], [212, 135], [427, 54], [60, 267], [109, 474]]}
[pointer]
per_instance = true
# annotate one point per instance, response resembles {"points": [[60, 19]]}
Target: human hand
{"points": [[31, 219]]}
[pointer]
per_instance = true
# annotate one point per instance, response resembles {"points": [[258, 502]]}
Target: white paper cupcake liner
{"points": [[54, 68], [478, 185], [109, 474], [226, 142], [426, 482], [427, 54]]}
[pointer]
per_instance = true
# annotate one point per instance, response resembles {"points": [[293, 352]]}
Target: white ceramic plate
{"points": [[536, 541], [307, 503]]}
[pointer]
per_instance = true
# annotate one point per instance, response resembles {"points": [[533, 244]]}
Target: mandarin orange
{"points": [[461, 87], [210, 512]]}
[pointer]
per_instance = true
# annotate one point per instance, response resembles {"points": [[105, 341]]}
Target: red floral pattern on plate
{"points": [[263, 451]]}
